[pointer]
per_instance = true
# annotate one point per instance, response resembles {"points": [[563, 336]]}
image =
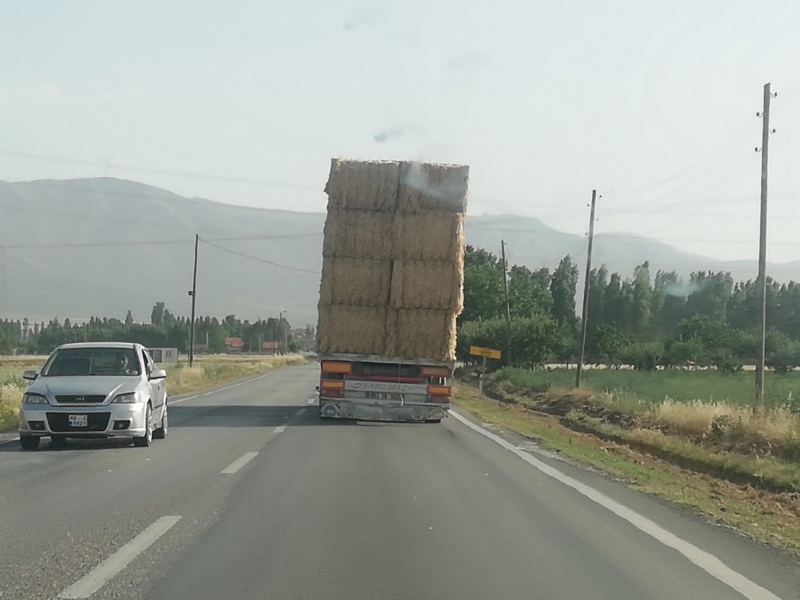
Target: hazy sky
{"points": [[651, 102]]}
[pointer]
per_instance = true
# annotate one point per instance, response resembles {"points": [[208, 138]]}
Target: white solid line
{"points": [[280, 429], [239, 463], [181, 400], [708, 562], [102, 573]]}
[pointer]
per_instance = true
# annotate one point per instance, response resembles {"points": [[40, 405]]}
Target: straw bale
{"points": [[355, 281], [418, 333], [426, 187], [428, 236], [428, 285], [363, 185], [351, 329], [358, 234]]}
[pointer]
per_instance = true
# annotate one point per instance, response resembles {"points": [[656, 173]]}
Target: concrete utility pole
{"points": [[585, 315], [285, 334], [508, 305], [193, 294], [758, 407]]}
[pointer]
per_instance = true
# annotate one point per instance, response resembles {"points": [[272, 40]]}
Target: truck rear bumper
{"points": [[380, 411]]}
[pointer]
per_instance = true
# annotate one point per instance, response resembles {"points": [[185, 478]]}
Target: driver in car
{"points": [[123, 365]]}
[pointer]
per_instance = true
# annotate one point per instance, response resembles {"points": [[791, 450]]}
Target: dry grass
{"points": [[429, 284], [429, 334], [427, 187], [358, 234], [354, 281], [363, 185], [351, 329], [429, 236]]}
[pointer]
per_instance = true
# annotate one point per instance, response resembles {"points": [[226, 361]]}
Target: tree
{"points": [[157, 316], [641, 299], [129, 319], [483, 286], [562, 288]]}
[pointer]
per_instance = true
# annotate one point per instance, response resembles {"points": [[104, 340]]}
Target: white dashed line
{"points": [[280, 429], [708, 562], [311, 400], [102, 573], [239, 463], [300, 412]]}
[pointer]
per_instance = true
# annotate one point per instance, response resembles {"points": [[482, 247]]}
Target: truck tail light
{"points": [[332, 384], [336, 367]]}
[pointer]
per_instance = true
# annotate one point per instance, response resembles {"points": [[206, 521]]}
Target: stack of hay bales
{"points": [[393, 259]]}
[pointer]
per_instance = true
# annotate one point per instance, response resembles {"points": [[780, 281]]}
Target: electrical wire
{"points": [[269, 262]]}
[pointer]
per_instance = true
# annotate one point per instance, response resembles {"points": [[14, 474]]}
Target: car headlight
{"points": [[29, 398], [131, 398]]}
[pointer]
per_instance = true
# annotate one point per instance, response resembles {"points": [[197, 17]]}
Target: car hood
{"points": [[92, 385]]}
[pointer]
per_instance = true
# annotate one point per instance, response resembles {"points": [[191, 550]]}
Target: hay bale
{"points": [[358, 234], [428, 236], [426, 187], [351, 329], [419, 333], [363, 185], [428, 285], [355, 281]]}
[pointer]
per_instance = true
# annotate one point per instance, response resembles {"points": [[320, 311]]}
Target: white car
{"points": [[93, 390]]}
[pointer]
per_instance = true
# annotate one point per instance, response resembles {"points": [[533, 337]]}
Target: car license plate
{"points": [[78, 420]]}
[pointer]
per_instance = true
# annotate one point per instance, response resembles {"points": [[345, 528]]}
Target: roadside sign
{"points": [[485, 352]]}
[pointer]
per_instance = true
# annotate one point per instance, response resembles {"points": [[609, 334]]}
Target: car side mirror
{"points": [[30, 375], [158, 374]]}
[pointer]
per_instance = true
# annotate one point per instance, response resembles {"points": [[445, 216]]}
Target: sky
{"points": [[652, 103]]}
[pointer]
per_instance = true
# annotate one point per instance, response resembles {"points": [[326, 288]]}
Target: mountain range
{"points": [[100, 247]]}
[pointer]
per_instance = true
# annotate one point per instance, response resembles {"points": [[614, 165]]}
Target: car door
{"points": [[157, 387]]}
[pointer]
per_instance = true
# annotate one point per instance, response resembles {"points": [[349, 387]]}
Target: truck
{"points": [[391, 289]]}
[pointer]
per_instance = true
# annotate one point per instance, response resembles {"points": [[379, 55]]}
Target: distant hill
{"points": [[48, 271]]}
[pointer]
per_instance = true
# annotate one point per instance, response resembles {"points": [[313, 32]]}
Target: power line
{"points": [[269, 262], [157, 242], [187, 174]]}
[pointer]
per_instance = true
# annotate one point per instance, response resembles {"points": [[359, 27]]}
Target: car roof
{"points": [[126, 345]]}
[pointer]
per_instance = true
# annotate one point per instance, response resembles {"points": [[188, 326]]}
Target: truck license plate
{"points": [[78, 420]]}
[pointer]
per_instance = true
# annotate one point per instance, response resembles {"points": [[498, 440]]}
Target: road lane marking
{"points": [[280, 429], [300, 412], [239, 463], [102, 573], [181, 400], [708, 562], [312, 400]]}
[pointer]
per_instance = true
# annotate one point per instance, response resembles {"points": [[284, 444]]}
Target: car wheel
{"points": [[147, 438], [162, 431], [29, 442]]}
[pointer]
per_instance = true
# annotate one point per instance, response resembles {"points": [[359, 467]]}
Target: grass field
{"points": [[207, 371], [637, 387]]}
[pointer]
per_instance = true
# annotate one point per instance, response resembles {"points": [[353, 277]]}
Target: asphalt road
{"points": [[251, 496]]}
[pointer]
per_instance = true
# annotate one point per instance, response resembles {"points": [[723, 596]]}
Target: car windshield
{"points": [[82, 362]]}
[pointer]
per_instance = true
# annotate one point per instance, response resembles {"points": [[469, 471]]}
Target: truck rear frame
{"points": [[379, 388]]}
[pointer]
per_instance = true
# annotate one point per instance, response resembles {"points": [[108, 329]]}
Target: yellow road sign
{"points": [[485, 352]]}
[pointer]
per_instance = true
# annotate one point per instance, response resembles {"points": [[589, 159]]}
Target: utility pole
{"points": [[193, 294], [758, 407], [585, 316], [508, 305], [283, 332]]}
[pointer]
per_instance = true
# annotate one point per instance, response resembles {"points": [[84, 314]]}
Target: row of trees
{"points": [[164, 330], [645, 320]]}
